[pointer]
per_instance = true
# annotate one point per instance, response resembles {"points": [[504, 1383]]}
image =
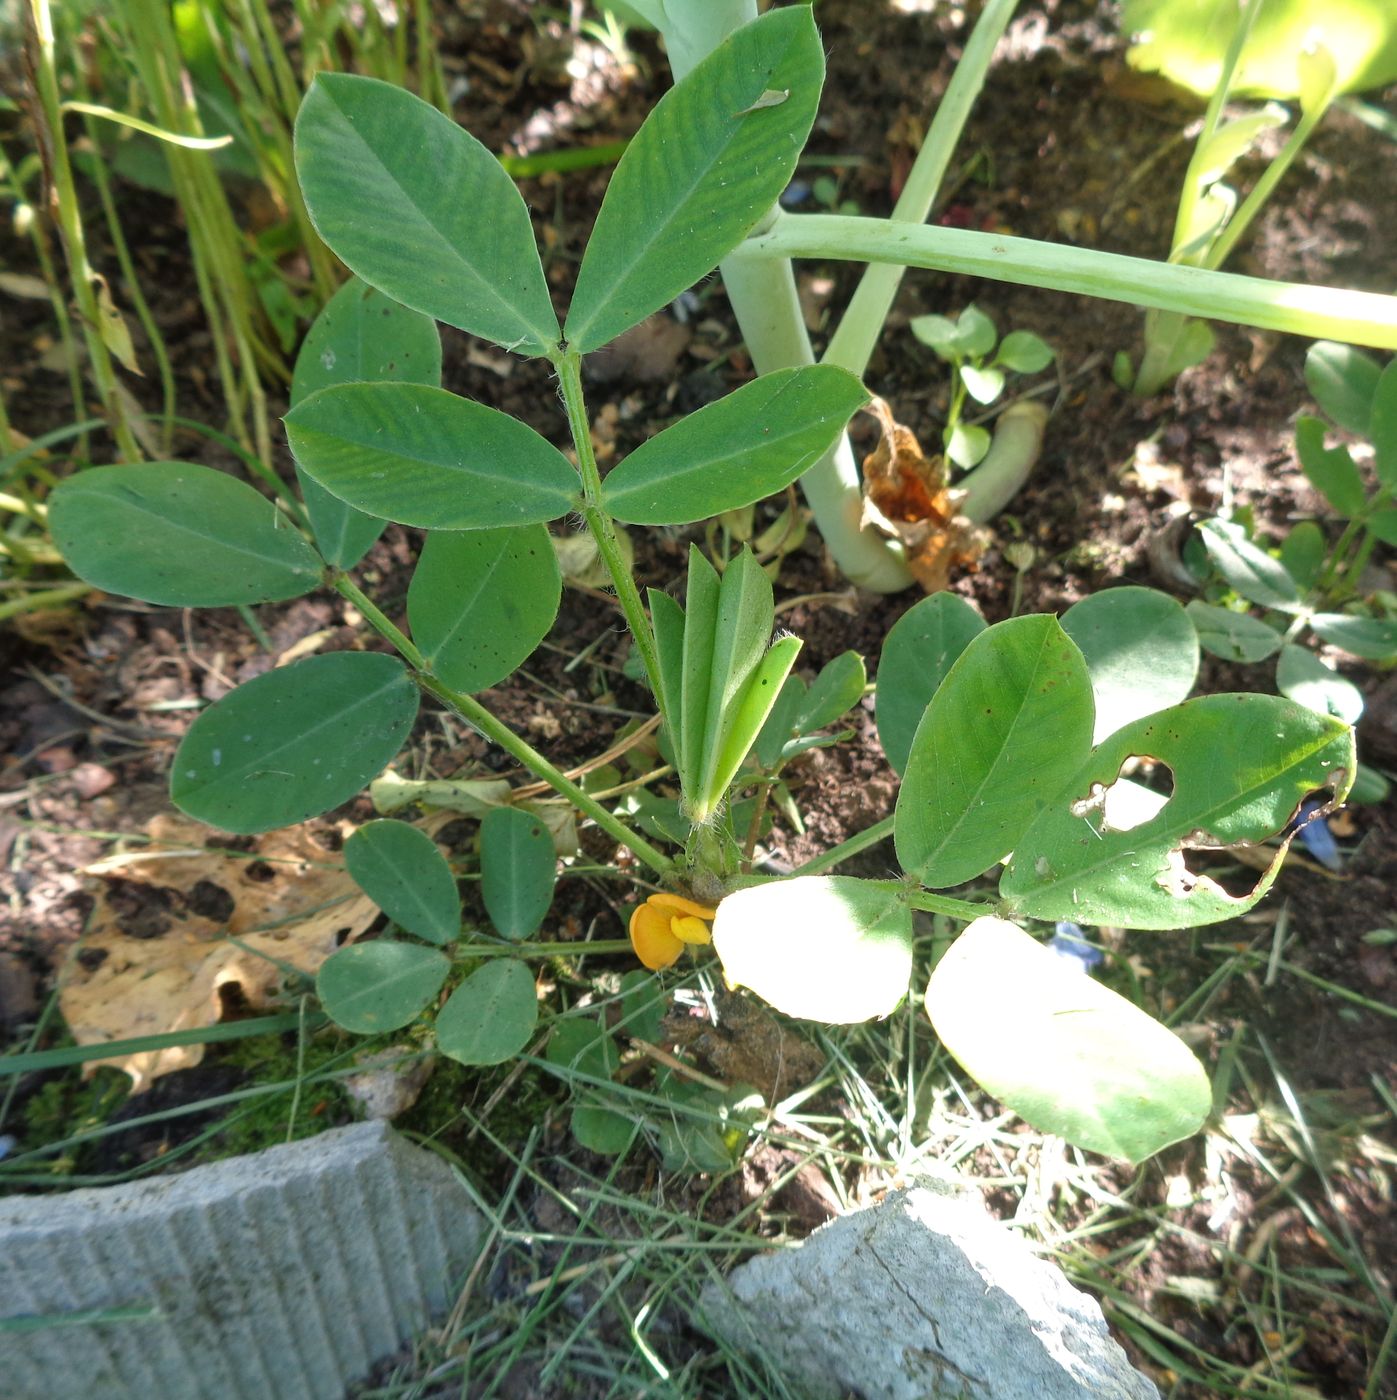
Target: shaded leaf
{"points": [[426, 457], [403, 872], [179, 535], [517, 870], [480, 601], [746, 446], [921, 648], [1330, 470], [380, 985], [294, 742], [420, 209], [1343, 380], [1232, 635], [1370, 637], [703, 168], [1248, 569], [491, 1015]]}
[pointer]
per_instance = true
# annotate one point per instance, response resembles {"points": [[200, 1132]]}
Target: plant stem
{"points": [[1018, 439], [859, 841], [1333, 313], [569, 367], [467, 950], [944, 904], [474, 713], [862, 322]]}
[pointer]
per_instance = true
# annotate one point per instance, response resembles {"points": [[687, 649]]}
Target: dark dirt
{"points": [[1067, 144]]}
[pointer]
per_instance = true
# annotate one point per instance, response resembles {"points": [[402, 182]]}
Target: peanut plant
{"points": [[1019, 743]]}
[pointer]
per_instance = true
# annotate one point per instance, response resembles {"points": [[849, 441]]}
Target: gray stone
{"points": [[279, 1276], [922, 1296]]}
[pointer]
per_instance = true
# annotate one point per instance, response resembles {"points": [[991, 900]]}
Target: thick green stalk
{"points": [[1332, 313], [862, 323], [474, 713], [569, 367]]}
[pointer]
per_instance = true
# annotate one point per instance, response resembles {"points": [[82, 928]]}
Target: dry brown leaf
{"points": [[907, 498], [159, 951]]}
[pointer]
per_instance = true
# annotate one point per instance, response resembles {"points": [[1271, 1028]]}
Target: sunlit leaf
{"points": [[1067, 1054]]}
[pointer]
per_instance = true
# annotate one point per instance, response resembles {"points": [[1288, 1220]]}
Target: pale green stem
{"points": [[862, 323], [1270, 177], [569, 367], [859, 841], [495, 730], [1192, 191], [764, 301], [1333, 313], [43, 598]]}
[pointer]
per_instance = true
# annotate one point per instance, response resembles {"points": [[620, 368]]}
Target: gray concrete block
{"points": [[278, 1276], [922, 1296]]}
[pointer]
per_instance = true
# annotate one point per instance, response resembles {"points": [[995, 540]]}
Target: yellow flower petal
{"points": [[690, 930], [680, 905], [654, 943]]}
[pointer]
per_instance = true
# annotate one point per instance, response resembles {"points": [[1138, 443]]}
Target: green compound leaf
{"points": [[1343, 381], [1241, 767], [518, 868], [420, 209], [1369, 637], [921, 648], [179, 535], [1011, 723], [379, 986], [1141, 651], [491, 1015], [426, 457], [823, 948], [1232, 635], [361, 336], [746, 446], [295, 742], [1069, 1056], [403, 872], [480, 601], [708, 162], [1247, 568]]}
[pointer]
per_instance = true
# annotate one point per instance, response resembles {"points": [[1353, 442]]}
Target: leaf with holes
{"points": [[294, 742], [379, 986], [923, 645], [179, 535], [1007, 728], [480, 601], [426, 457], [1069, 1055], [403, 872], [1241, 767], [1141, 651], [361, 336], [822, 947], [748, 445], [518, 868], [706, 164], [420, 209], [489, 1018]]}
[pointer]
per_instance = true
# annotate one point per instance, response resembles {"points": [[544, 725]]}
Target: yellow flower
{"points": [[664, 924]]}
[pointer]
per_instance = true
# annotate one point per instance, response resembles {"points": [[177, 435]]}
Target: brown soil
{"points": [[1066, 144]]}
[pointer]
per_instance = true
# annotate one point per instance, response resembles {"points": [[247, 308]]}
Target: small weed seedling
{"points": [[1010, 740], [980, 363]]}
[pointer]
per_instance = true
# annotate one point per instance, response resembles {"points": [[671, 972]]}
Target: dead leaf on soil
{"points": [[159, 952], [907, 498]]}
